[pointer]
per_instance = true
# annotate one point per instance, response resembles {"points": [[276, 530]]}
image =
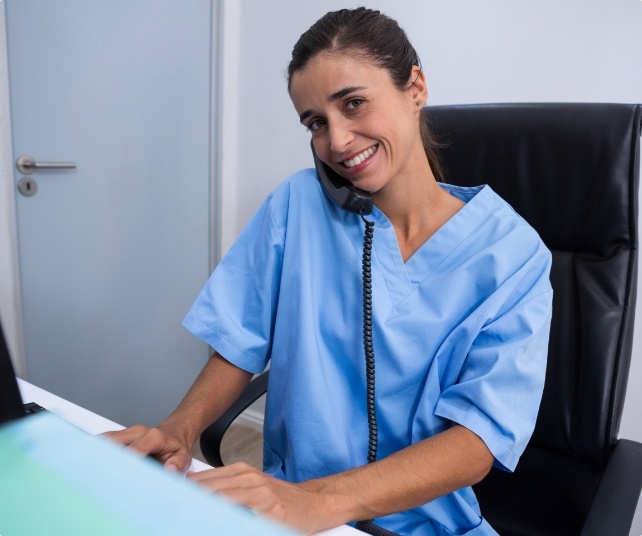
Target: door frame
{"points": [[11, 310], [10, 296]]}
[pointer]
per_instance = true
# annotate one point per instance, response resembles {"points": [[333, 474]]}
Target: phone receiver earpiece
{"points": [[340, 191]]}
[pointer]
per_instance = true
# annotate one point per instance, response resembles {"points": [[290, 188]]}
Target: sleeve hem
{"points": [[505, 457], [226, 349]]}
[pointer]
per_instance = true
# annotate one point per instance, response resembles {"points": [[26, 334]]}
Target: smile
{"points": [[361, 157]]}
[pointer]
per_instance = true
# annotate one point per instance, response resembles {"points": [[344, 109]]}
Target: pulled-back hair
{"points": [[376, 38]]}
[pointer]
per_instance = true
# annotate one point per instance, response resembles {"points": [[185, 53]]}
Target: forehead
{"points": [[328, 74]]}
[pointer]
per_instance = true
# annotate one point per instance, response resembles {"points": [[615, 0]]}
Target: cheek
{"points": [[386, 126], [406, 133], [321, 149]]}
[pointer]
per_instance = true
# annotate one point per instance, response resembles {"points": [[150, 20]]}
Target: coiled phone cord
{"points": [[366, 270]]}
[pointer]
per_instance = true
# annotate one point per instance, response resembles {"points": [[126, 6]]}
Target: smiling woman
{"points": [[385, 45], [367, 130], [459, 315]]}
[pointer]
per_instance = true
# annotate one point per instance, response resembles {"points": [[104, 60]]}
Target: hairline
{"points": [[337, 50]]}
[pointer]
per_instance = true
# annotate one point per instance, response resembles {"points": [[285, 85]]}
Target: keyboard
{"points": [[32, 407]]}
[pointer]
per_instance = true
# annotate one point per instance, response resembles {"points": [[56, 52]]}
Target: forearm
{"points": [[414, 476], [215, 389]]}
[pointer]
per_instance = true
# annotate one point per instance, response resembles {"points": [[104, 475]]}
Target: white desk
{"points": [[95, 424]]}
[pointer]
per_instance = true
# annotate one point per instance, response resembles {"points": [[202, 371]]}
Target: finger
{"points": [[244, 496], [178, 462], [201, 476], [153, 441], [212, 481], [259, 500], [127, 435], [232, 483], [232, 470]]}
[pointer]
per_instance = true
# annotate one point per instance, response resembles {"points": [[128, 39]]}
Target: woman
{"points": [[461, 311]]}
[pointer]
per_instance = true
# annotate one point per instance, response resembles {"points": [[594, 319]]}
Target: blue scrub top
{"points": [[460, 334]]}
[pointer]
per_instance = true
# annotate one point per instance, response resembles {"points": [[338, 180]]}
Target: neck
{"points": [[410, 197], [417, 207]]}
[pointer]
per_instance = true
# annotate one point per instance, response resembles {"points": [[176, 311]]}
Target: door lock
{"points": [[27, 186]]}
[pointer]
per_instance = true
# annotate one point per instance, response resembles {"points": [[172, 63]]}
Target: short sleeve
{"points": [[235, 311], [499, 389]]}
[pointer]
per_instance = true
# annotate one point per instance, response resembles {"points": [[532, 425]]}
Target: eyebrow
{"points": [[335, 96]]}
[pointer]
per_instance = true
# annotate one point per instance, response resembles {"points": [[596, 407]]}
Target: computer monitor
{"points": [[57, 479], [11, 406]]}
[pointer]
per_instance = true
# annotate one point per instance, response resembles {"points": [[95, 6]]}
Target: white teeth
{"points": [[360, 157]]}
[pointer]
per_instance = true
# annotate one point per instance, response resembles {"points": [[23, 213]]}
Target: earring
{"points": [[418, 103]]}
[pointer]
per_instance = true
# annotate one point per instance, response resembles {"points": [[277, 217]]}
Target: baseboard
{"points": [[251, 419]]}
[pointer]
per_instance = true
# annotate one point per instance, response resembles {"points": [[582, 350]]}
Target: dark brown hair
{"points": [[379, 40]]}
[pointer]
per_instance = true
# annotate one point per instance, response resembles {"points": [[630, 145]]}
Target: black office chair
{"points": [[571, 170]]}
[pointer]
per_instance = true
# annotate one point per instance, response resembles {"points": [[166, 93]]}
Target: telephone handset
{"points": [[340, 191]]}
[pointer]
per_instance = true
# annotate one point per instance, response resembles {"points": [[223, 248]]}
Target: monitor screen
{"points": [[10, 400]]}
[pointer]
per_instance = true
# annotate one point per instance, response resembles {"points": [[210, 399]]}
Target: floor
{"points": [[240, 443]]}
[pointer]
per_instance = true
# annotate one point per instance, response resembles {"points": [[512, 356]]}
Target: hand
{"points": [[161, 443], [287, 503]]}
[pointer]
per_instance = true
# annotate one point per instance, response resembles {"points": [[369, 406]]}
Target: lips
{"points": [[361, 157]]}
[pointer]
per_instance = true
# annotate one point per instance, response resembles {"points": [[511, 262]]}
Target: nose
{"points": [[340, 136]]}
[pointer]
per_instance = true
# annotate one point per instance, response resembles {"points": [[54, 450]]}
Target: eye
{"points": [[353, 104], [315, 125]]}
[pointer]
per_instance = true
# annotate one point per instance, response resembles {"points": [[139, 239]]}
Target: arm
{"points": [[411, 477], [217, 386]]}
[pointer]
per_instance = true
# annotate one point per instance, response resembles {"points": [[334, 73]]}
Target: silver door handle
{"points": [[26, 165]]}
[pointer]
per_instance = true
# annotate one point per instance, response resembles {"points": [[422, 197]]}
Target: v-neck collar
{"points": [[402, 278]]}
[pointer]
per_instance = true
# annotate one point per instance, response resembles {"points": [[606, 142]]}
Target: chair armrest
{"points": [[212, 436], [617, 496]]}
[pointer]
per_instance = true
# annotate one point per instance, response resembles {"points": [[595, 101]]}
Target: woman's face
{"points": [[362, 125]]}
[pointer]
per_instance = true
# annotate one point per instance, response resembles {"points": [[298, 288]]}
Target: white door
{"points": [[113, 251]]}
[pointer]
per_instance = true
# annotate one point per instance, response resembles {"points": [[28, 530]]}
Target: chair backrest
{"points": [[571, 170]]}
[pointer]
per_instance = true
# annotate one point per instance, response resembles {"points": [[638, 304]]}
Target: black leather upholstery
{"points": [[571, 170]]}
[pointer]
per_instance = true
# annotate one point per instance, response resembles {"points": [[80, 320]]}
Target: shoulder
{"points": [[298, 196], [497, 240], [494, 218], [302, 183]]}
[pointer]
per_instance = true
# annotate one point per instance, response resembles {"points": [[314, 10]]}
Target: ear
{"points": [[418, 89]]}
